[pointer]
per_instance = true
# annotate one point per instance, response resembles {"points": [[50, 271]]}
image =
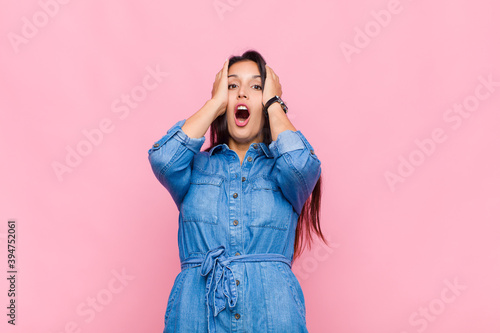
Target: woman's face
{"points": [[245, 91]]}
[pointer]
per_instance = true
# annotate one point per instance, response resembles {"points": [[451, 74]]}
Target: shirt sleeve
{"points": [[298, 167], [171, 159]]}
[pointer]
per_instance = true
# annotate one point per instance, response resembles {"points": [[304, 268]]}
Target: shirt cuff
{"points": [[286, 141], [193, 144]]}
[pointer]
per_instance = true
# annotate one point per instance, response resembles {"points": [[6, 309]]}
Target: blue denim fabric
{"points": [[236, 231]]}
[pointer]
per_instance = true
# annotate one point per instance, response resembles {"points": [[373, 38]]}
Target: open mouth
{"points": [[241, 114]]}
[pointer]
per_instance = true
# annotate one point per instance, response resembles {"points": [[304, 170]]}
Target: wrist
{"points": [[274, 107], [216, 105], [266, 99], [275, 100]]}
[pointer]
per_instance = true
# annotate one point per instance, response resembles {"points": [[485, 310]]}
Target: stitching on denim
{"points": [[217, 203], [283, 227], [292, 291], [288, 160], [276, 187], [205, 173], [309, 147], [173, 298], [174, 158]]}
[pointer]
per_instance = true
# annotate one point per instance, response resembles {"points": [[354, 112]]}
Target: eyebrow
{"points": [[236, 75]]}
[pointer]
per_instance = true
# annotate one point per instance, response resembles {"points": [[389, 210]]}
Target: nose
{"points": [[242, 92]]}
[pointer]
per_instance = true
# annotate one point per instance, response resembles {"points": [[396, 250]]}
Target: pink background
{"points": [[369, 111]]}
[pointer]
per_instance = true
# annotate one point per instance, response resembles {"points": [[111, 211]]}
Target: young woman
{"points": [[246, 205]]}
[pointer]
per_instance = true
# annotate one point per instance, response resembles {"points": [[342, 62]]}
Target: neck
{"points": [[242, 147]]}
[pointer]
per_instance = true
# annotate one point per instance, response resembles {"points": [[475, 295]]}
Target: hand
{"points": [[220, 89], [272, 86]]}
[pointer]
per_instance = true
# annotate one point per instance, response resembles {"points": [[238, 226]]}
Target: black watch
{"points": [[273, 100]]}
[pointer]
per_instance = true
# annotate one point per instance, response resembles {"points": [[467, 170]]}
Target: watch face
{"points": [[283, 106]]}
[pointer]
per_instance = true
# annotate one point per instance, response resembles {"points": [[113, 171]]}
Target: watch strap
{"points": [[275, 99]]}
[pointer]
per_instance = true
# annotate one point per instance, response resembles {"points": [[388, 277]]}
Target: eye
{"points": [[232, 85], [257, 87]]}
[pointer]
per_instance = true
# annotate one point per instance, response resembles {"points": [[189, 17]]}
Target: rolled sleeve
{"points": [[193, 144], [287, 140], [298, 167], [171, 160]]}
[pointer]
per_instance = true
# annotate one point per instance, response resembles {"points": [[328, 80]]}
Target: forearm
{"points": [[197, 125], [278, 120]]}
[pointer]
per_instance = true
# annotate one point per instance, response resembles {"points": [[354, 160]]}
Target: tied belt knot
{"points": [[220, 281]]}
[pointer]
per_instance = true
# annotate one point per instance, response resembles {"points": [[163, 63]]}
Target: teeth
{"points": [[242, 107]]}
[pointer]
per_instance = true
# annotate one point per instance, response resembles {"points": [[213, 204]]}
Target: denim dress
{"points": [[236, 231]]}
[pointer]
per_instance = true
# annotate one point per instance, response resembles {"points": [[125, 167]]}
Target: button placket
{"points": [[235, 191]]}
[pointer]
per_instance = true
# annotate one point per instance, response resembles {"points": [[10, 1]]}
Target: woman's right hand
{"points": [[220, 89]]}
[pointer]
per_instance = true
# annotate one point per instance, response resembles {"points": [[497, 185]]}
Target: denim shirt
{"points": [[236, 231]]}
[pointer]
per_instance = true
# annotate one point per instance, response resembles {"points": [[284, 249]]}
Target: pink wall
{"points": [[401, 100]]}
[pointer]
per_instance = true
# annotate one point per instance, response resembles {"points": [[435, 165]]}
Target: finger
{"points": [[268, 70], [225, 69], [273, 74]]}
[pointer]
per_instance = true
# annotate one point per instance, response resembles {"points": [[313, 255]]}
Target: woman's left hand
{"points": [[272, 86]]}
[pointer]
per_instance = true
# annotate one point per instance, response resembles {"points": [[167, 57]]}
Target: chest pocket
{"points": [[270, 209], [201, 203]]}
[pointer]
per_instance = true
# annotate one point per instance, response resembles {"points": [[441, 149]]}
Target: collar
{"points": [[260, 147]]}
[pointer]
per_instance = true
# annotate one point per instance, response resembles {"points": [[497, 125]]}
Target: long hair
{"points": [[308, 221]]}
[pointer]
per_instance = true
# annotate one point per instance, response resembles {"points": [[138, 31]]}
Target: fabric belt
{"points": [[220, 280]]}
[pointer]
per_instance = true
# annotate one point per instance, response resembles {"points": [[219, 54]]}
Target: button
{"points": [[237, 282], [156, 145], [235, 222], [255, 145], [237, 316], [237, 254], [235, 195], [243, 179], [249, 159], [234, 157], [312, 152]]}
